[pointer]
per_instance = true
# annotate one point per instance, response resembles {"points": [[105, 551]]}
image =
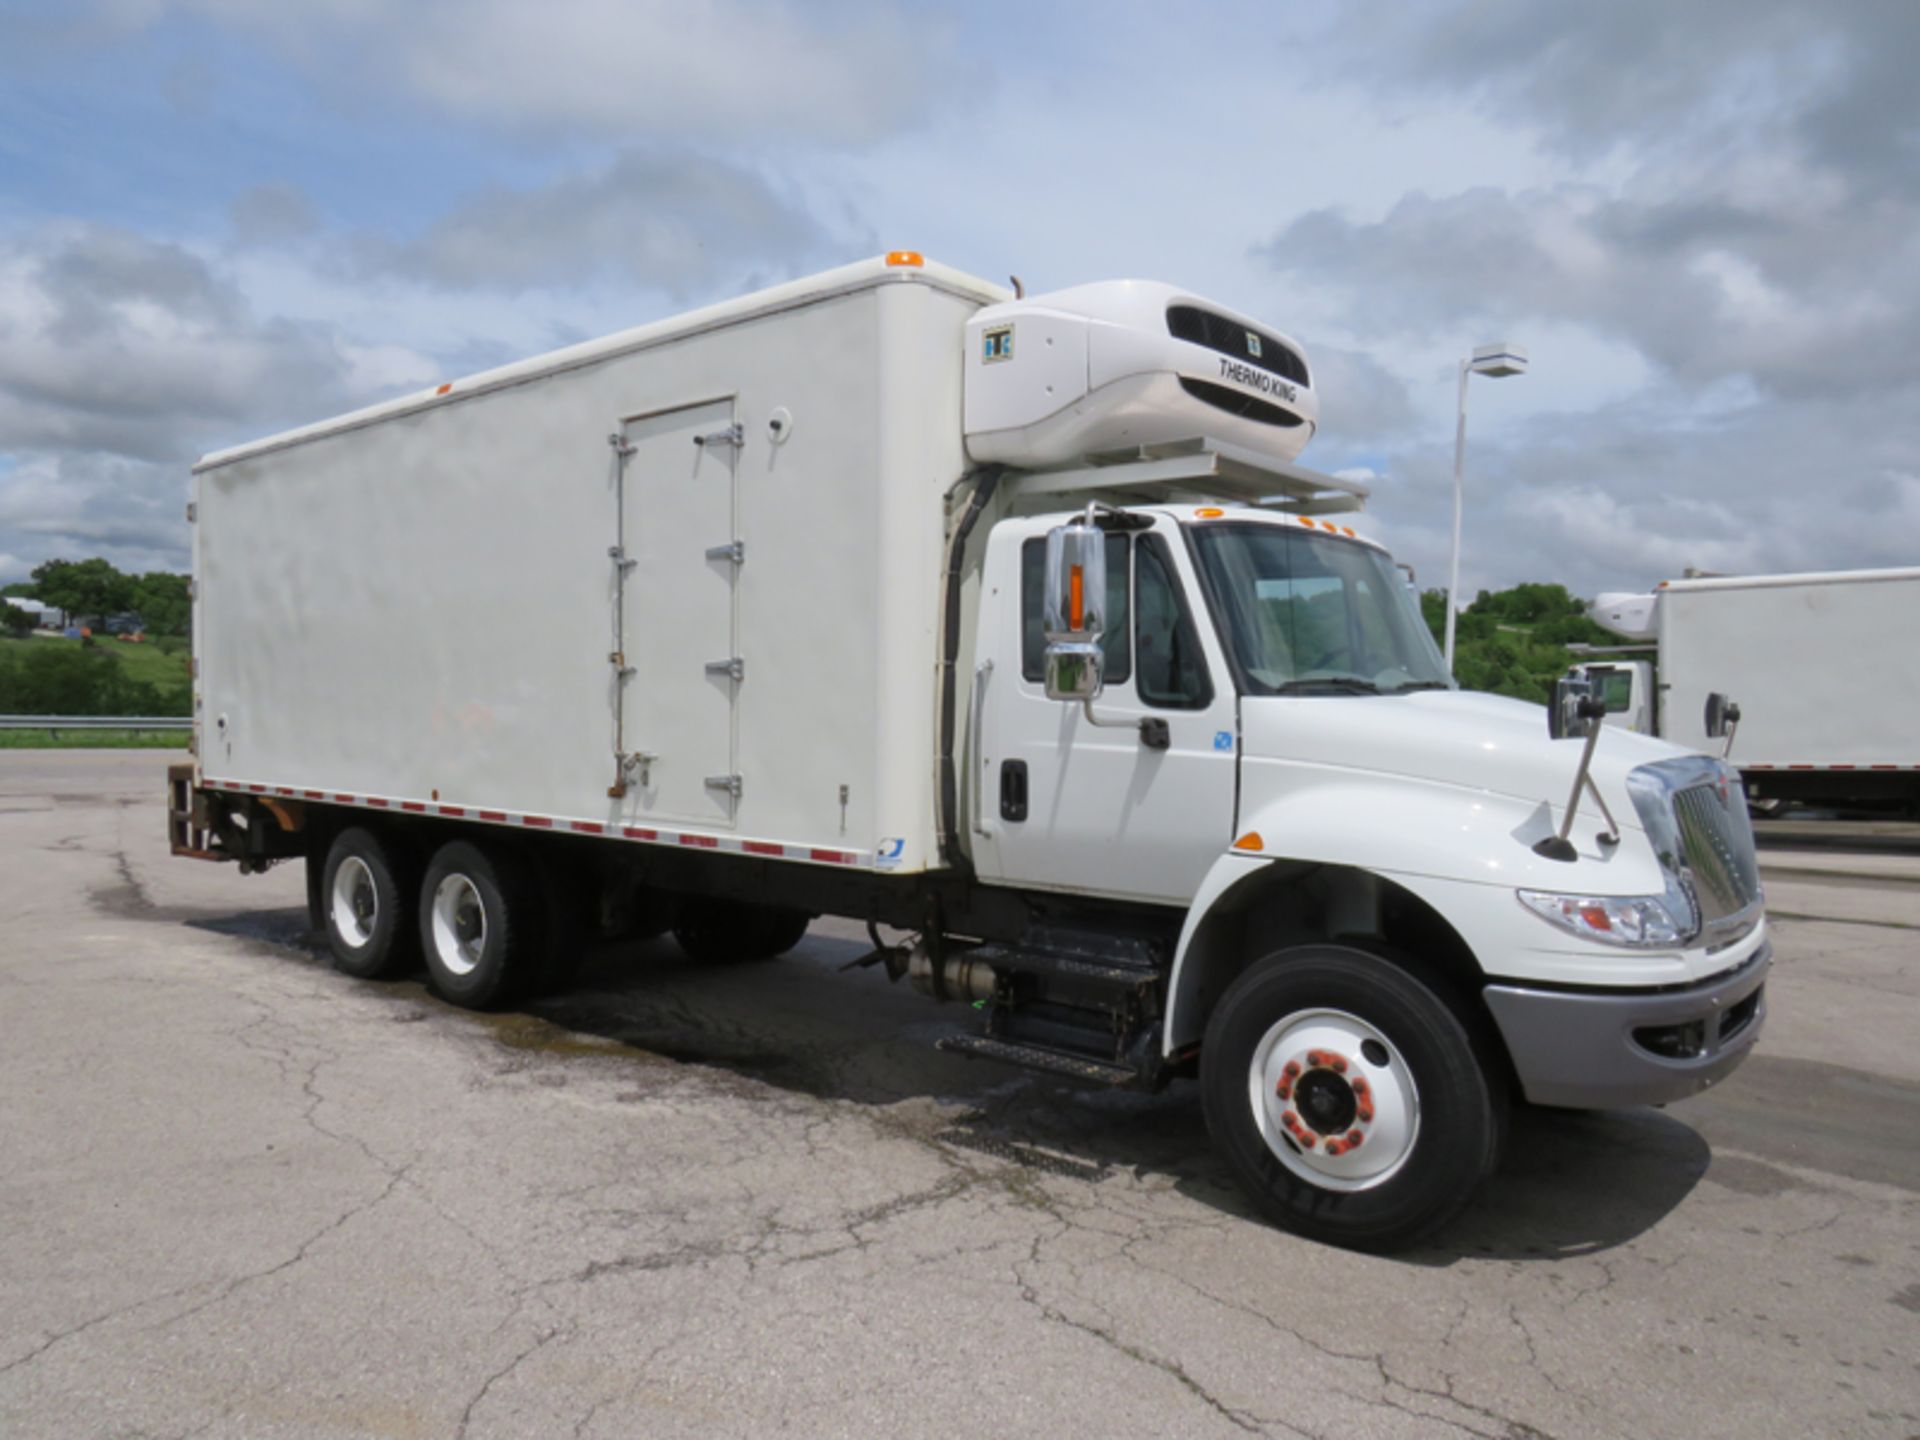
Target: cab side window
{"points": [[1033, 630], [1172, 671]]}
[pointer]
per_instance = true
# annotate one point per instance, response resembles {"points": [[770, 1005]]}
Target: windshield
{"points": [[1306, 613]]}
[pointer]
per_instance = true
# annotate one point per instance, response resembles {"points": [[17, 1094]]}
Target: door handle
{"points": [[1013, 790]]}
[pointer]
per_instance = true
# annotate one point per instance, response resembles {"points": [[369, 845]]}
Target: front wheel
{"points": [[1347, 1096]]}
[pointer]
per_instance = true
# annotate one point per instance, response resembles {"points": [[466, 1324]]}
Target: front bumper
{"points": [[1591, 1050]]}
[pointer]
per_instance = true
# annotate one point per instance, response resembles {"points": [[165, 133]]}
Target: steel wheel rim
{"points": [[1299, 1096], [355, 902], [459, 925]]}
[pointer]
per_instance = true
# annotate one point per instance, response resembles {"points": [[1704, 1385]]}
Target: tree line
{"points": [[92, 591], [97, 676], [1514, 642]]}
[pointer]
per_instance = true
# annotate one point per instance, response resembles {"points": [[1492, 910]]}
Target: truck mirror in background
{"points": [[1076, 593]]}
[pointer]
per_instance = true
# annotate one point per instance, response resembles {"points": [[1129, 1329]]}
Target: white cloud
{"points": [[663, 221], [833, 71], [121, 359]]}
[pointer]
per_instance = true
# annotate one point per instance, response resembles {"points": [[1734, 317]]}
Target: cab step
{"points": [[1040, 1057]]}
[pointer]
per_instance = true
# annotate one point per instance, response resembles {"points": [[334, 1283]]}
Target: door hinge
{"points": [[736, 551], [193, 512], [618, 659], [621, 445], [728, 783], [733, 667], [735, 435], [618, 554]]}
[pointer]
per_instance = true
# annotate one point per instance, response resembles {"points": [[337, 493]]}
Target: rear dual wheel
{"points": [[365, 900], [1348, 1096], [479, 924]]}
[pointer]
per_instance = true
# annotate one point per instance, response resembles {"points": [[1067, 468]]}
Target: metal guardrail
{"points": [[96, 722]]}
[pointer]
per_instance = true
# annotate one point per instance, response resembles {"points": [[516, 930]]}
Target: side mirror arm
{"points": [[1591, 711], [1154, 733]]}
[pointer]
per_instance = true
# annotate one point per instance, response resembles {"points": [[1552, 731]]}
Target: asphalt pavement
{"points": [[242, 1195]]}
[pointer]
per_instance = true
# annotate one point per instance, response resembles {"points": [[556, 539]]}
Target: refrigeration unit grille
{"points": [[1230, 337], [1236, 403]]}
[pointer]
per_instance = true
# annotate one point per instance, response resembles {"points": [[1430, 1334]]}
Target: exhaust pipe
{"points": [[952, 977]]}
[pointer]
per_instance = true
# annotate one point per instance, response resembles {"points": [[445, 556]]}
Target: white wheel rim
{"points": [[459, 925], [355, 902], [1353, 1074]]}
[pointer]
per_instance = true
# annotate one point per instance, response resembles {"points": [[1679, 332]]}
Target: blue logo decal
{"points": [[1223, 740]]}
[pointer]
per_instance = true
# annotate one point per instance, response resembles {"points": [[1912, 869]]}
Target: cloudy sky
{"points": [[222, 217]]}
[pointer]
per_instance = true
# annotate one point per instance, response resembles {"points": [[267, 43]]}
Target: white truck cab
{"points": [[1011, 624]]}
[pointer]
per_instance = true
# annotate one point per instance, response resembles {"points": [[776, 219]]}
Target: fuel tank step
{"points": [[1039, 1057]]}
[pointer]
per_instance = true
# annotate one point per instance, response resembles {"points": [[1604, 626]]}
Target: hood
{"points": [[1449, 737]]}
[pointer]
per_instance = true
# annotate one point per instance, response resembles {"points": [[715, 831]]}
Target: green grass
{"points": [[93, 740], [143, 662]]}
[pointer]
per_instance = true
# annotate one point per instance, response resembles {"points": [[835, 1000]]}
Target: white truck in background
{"points": [[1009, 623], [1824, 667]]}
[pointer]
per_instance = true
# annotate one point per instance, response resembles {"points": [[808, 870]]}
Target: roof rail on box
{"points": [[1199, 471]]}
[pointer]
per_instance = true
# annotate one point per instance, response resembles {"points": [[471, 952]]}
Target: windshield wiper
{"points": [[1419, 685], [1336, 684]]}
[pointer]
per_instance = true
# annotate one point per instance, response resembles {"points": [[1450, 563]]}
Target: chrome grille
{"points": [[1716, 845]]}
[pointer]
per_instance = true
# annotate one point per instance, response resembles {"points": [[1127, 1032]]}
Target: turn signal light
{"points": [[1250, 841]]}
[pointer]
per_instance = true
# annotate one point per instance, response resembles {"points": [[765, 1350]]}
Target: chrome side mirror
{"points": [[1076, 597]]}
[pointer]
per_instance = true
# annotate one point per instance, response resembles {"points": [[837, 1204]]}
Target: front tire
{"points": [[365, 896], [1347, 1096], [479, 925]]}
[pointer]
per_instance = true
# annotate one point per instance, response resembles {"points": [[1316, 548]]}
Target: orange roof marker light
{"points": [[444, 388], [1209, 512], [905, 257], [1250, 841]]}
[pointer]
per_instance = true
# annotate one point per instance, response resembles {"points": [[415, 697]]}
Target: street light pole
{"points": [[1493, 361]]}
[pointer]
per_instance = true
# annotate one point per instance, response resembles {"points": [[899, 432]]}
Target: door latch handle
{"points": [[1013, 790]]}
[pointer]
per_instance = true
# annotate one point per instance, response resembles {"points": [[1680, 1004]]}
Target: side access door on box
{"points": [[676, 667]]}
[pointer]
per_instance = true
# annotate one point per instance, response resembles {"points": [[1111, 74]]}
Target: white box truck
{"points": [[1825, 669], [1009, 623]]}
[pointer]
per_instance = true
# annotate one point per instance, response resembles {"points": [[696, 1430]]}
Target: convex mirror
{"points": [[1574, 709]]}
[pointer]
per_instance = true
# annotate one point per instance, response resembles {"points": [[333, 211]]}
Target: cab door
{"points": [[1062, 804]]}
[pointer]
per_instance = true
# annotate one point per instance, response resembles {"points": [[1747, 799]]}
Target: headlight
{"points": [[1646, 921]]}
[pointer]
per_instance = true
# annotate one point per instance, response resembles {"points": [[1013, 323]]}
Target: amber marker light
{"points": [[905, 257], [1250, 841], [1076, 599]]}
